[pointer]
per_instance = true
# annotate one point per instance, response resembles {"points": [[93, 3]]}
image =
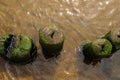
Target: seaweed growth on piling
{"points": [[17, 49], [101, 48], [51, 41], [94, 51]]}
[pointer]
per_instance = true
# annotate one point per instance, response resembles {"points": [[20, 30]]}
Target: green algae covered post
{"points": [[18, 49], [114, 37], [51, 40], [21, 49], [97, 49]]}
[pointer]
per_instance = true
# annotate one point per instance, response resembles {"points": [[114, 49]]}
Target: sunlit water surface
{"points": [[79, 20]]}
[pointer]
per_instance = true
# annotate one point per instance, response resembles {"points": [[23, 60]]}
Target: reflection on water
{"points": [[80, 20]]}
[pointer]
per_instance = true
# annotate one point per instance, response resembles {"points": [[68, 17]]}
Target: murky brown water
{"points": [[80, 21]]}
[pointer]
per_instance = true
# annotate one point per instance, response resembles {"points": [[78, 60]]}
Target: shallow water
{"points": [[80, 21]]}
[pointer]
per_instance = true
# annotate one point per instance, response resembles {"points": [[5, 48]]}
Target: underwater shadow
{"points": [[48, 55], [99, 69]]}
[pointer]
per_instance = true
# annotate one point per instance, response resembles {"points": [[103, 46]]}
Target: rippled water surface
{"points": [[80, 21]]}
